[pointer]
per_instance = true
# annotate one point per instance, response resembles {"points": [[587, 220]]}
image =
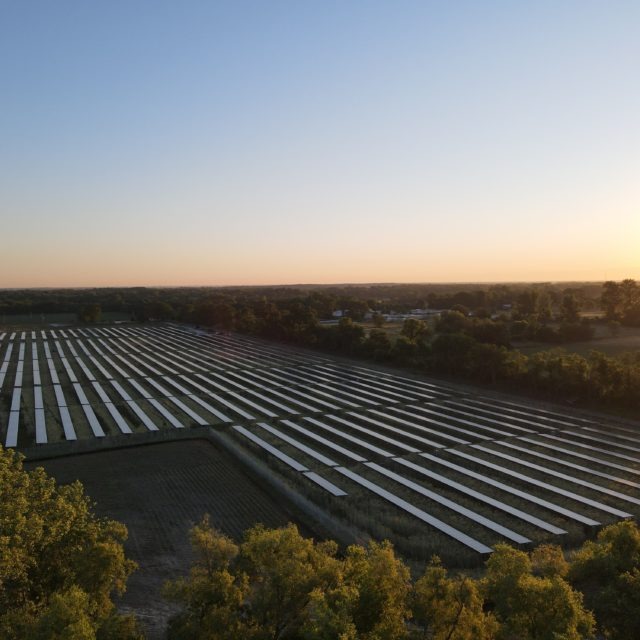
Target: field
{"points": [[435, 468], [159, 491], [624, 340]]}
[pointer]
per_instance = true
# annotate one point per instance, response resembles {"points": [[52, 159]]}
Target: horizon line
{"points": [[307, 284]]}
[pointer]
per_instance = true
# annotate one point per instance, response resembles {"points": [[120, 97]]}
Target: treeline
{"points": [[621, 301], [471, 339], [163, 303], [476, 348], [60, 567], [277, 584]]}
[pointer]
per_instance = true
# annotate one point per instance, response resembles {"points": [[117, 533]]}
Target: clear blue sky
{"points": [[269, 142]]}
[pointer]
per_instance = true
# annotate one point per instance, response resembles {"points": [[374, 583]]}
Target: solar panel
{"points": [[271, 449], [441, 526]]}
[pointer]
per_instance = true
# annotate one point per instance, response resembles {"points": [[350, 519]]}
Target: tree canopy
{"points": [[277, 584], [60, 565]]}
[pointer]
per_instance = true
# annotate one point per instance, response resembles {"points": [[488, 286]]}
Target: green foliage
{"points": [[621, 301], [382, 583], [450, 353], [570, 308], [267, 587], [283, 569], [409, 353], [90, 313], [489, 331], [610, 299], [378, 320], [548, 561], [377, 345], [607, 570], [289, 586], [473, 333], [66, 617], [277, 584], [215, 313], [415, 330], [450, 608], [452, 322], [530, 607], [348, 336], [59, 563]]}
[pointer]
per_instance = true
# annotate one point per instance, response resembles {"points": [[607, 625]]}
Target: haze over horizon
{"points": [[239, 143]]}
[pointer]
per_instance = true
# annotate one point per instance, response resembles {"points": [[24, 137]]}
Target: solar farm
{"points": [[435, 468]]}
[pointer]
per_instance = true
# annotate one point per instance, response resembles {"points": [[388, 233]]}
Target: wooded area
{"points": [[472, 337]]}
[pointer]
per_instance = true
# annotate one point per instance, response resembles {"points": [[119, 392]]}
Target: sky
{"points": [[318, 141]]}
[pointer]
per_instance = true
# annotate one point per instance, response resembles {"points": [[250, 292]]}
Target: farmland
{"points": [[435, 468]]}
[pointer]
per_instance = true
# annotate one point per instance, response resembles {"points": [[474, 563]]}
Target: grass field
{"points": [[626, 339]]}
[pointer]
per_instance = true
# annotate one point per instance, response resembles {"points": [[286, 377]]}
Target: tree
{"points": [[610, 299], [452, 322], [66, 616], [269, 586], [59, 563], [278, 584], [378, 320], [450, 352], [224, 315], [405, 351], [269, 318], [450, 608], [543, 307], [629, 295], [621, 301], [415, 330], [488, 362], [90, 313], [547, 560], [356, 308], [284, 568], [383, 585], [160, 311], [490, 331], [246, 321], [212, 596], [530, 607], [299, 323], [607, 571], [350, 336], [378, 345], [570, 309], [527, 302], [576, 332]]}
